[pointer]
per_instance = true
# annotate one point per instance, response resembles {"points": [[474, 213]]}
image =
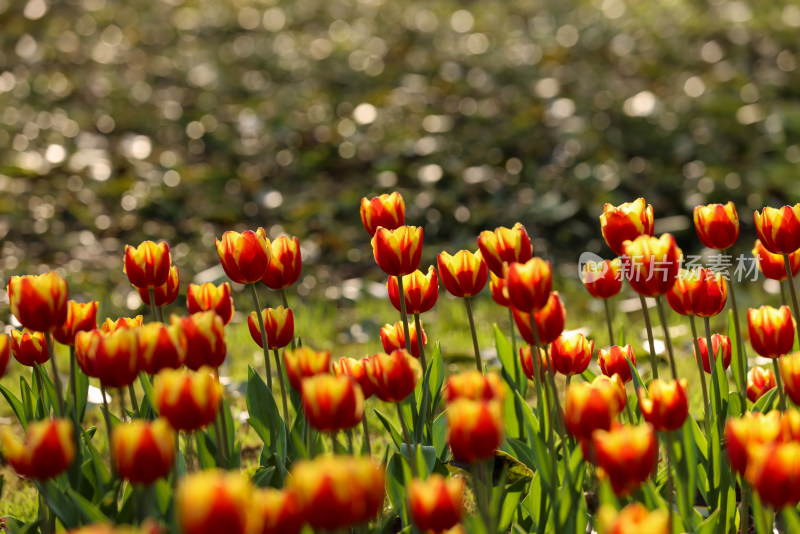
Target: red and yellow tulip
{"points": [[772, 265], [387, 210], [475, 428], [626, 222], [435, 503], [81, 317], [627, 455], [205, 339], [244, 256], [205, 297], [394, 376], [29, 347], [550, 321], [188, 400], [111, 358], [39, 302], [593, 406], [280, 511], [47, 450], [421, 291], [463, 274], [161, 347], [393, 337], [700, 292], [216, 501], [474, 385], [143, 451], [717, 225], [165, 293], [528, 284], [720, 347], [652, 264], [110, 326], [304, 362], [759, 381], [398, 252], [278, 324], [603, 279], [285, 264], [633, 519], [332, 402], [504, 245], [570, 355], [771, 330], [147, 265], [779, 229], [666, 406], [612, 361]]}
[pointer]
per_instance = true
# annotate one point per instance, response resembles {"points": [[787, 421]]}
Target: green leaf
{"points": [[16, 405], [511, 365], [512, 495], [541, 456], [710, 524], [766, 403], [398, 476], [206, 450], [28, 398], [588, 375], [149, 396], [59, 503], [736, 369], [437, 377], [439, 434], [264, 416], [791, 519], [422, 408], [82, 389], [263, 476], [90, 512], [389, 426]]}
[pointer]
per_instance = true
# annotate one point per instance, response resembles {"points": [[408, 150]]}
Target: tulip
{"points": [[550, 321], [421, 291], [161, 347], [394, 338], [603, 279], [112, 358], [28, 347], [463, 274], [207, 297], [772, 265], [166, 293], [652, 264], [332, 402], [627, 455], [285, 263], [187, 400], [790, 373], [771, 330], [304, 362], [570, 355], [752, 428], [526, 359], [528, 284], [435, 503], [205, 339], [717, 225], [278, 323], [5, 353], [499, 291], [387, 210], [612, 361], [110, 326], [774, 472], [475, 429], [280, 511], [666, 406], [505, 245], [593, 406], [143, 451], [216, 501], [81, 317], [47, 450], [633, 519], [474, 385], [626, 222], [398, 252], [719, 343], [779, 229], [357, 369], [394, 376], [244, 256], [759, 381], [700, 292], [147, 266], [39, 302], [148, 526]]}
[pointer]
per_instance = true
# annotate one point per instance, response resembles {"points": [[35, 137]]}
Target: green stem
{"points": [[56, 380], [147, 501], [468, 303], [609, 322], [223, 423], [779, 382], [649, 327], [744, 507], [481, 486], [365, 427], [264, 344], [218, 433], [663, 318], [420, 343], [122, 410], [790, 282], [630, 414], [702, 373], [283, 386], [712, 362], [404, 316], [412, 459], [285, 302], [740, 348], [559, 416], [73, 384], [107, 418], [151, 292], [37, 372], [537, 373], [134, 401], [670, 481], [349, 434]]}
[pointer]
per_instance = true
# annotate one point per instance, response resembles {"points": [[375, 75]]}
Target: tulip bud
{"points": [[244, 256], [48, 448], [626, 222], [110, 326], [81, 317], [304, 362], [612, 361], [148, 264], [475, 428], [571, 354], [207, 297], [280, 511], [789, 367], [528, 284], [720, 346], [752, 428], [112, 358], [700, 292], [143, 451], [772, 265], [652, 264], [773, 470], [717, 225], [499, 291], [357, 369], [603, 279], [759, 381], [627, 455], [505, 245], [634, 518], [667, 406], [526, 359], [593, 406], [393, 337], [5, 353], [779, 229], [387, 210], [285, 263], [39, 302], [394, 376], [463, 274], [28, 347], [161, 347], [166, 293], [216, 501], [205, 339], [550, 321], [435, 503], [332, 402], [398, 252], [474, 385], [278, 323], [421, 291], [771, 330], [187, 400]]}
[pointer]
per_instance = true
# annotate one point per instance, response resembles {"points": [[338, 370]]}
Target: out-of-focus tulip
{"points": [[29, 347], [123, 322], [387, 210], [398, 252], [474, 385], [700, 292], [571, 354], [280, 511], [526, 359], [475, 428], [47, 450], [667, 406], [207, 297], [111, 358], [161, 347], [593, 406], [216, 501], [166, 293], [148, 526], [779, 229], [626, 222], [393, 337], [550, 320], [244, 256], [39, 302], [497, 286], [435, 503], [627, 455], [505, 245], [612, 361], [285, 263], [463, 274], [633, 519], [356, 369], [143, 451], [752, 428], [718, 343], [148, 264], [773, 470], [603, 279], [759, 381], [421, 291], [717, 225], [528, 284], [304, 362], [771, 330], [652, 264], [187, 400], [81, 317], [5, 353], [332, 402], [338, 491], [789, 367], [394, 375], [205, 339], [278, 323], [772, 265]]}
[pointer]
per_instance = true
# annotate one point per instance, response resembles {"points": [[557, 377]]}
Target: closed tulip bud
{"points": [[357, 369], [626, 222], [464, 274], [285, 263], [771, 330], [435, 503], [528, 284], [39, 302], [593, 406], [111, 358], [779, 229], [571, 354], [216, 501], [393, 338], [81, 317], [700, 292], [166, 293], [667, 406], [143, 451], [47, 450], [387, 210], [505, 245], [280, 511], [612, 361], [28, 347], [304, 362], [205, 339], [497, 286], [278, 323], [394, 376], [147, 266], [421, 291], [550, 321], [244, 256], [752, 428], [720, 347], [772, 265], [474, 385], [717, 225], [627, 455], [652, 264], [526, 359], [207, 297], [633, 519], [187, 400], [332, 402], [398, 252], [161, 347], [759, 381], [475, 428], [123, 322], [773, 470], [789, 367], [603, 279], [5, 353]]}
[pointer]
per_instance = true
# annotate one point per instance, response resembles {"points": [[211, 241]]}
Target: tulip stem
{"points": [[481, 486], [73, 383], [37, 372], [107, 418], [663, 318], [740, 348], [151, 292], [609, 322], [701, 371], [537, 373], [218, 433], [56, 380], [468, 303], [404, 316], [790, 282], [283, 386], [412, 460], [286, 307], [134, 401], [744, 507], [630, 414], [779, 382], [349, 434], [649, 327], [264, 344], [670, 480], [562, 429], [122, 410], [365, 426], [223, 422], [420, 343]]}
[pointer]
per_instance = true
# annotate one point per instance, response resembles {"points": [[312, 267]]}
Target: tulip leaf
{"points": [[264, 416], [766, 403], [436, 368], [28, 398], [710, 524], [398, 476], [512, 495], [206, 450], [541, 456], [393, 432], [58, 502], [263, 476], [588, 375], [422, 408], [149, 395], [511, 365], [440, 434], [791, 518], [16, 405], [520, 451], [736, 368], [512, 413], [82, 389], [637, 380]]}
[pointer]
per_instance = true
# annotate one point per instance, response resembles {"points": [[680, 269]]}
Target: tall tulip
{"points": [[285, 264], [332, 402], [216, 501], [205, 297], [39, 302], [626, 222], [627, 455], [304, 362], [779, 229], [164, 294], [147, 265], [475, 428], [421, 291], [244, 256], [759, 381], [81, 317], [205, 339], [188, 400], [504, 245], [387, 210], [571, 354], [435, 504], [48, 448], [613, 361], [666, 406], [772, 265], [593, 406], [144, 451], [393, 338], [717, 225], [398, 252], [550, 320]]}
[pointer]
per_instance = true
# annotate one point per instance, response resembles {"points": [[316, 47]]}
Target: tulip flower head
{"points": [[39, 302], [166, 293], [633, 519], [497, 286], [285, 264], [603, 279], [216, 501], [505, 245], [398, 252], [147, 266], [475, 428], [205, 297], [773, 470], [435, 503], [332, 402], [278, 324], [143, 451], [81, 317], [205, 339], [750, 429], [571, 354], [110, 326], [421, 291], [29, 347], [789, 367], [357, 369], [474, 385], [666, 406], [772, 265], [464, 274], [244, 256], [627, 455], [771, 330], [613, 361], [721, 348], [304, 362], [550, 321], [188, 400], [393, 337], [280, 511], [394, 376], [717, 225], [526, 359], [626, 222], [5, 353], [161, 347], [651, 264], [700, 292], [593, 406], [779, 229], [759, 381], [387, 210], [528, 284], [47, 450], [112, 358]]}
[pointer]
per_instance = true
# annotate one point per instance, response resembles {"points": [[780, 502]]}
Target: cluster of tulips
{"points": [[531, 462]]}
